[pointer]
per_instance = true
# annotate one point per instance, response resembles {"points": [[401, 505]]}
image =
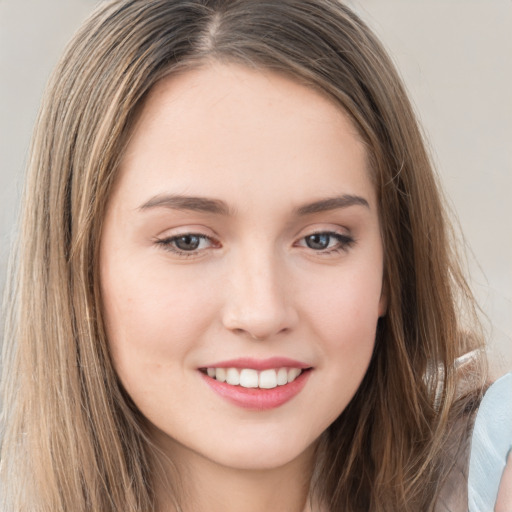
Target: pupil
{"points": [[318, 241], [187, 242]]}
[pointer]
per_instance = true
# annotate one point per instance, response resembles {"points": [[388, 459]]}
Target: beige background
{"points": [[456, 59]]}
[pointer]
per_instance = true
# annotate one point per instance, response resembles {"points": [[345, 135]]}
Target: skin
{"points": [[504, 498], [254, 287]]}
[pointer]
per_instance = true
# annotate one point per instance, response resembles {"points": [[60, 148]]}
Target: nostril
{"points": [[243, 332]]}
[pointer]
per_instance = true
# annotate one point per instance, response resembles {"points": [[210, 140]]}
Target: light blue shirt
{"points": [[490, 444]]}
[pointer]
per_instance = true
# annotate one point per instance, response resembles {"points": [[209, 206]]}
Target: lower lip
{"points": [[256, 398]]}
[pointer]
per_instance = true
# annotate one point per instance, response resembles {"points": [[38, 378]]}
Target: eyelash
{"points": [[345, 242], [168, 244]]}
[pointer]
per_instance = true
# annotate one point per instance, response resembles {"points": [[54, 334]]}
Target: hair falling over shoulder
{"points": [[71, 438]]}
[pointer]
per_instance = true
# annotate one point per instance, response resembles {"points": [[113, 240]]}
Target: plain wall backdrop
{"points": [[456, 59]]}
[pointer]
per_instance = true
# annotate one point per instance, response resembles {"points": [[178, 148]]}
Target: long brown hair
{"points": [[71, 438]]}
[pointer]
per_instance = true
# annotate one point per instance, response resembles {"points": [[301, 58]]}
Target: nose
{"points": [[259, 302]]}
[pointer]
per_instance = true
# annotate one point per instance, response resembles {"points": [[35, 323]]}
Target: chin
{"points": [[253, 454]]}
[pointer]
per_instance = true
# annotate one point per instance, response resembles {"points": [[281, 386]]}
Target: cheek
{"points": [[345, 307], [154, 320], [153, 314], [349, 341], [343, 316]]}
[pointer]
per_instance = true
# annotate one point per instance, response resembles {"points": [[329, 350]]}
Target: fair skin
{"points": [[243, 228], [504, 498]]}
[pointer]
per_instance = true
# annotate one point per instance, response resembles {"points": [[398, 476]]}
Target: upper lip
{"points": [[259, 364]]}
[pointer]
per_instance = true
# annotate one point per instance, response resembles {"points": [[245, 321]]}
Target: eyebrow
{"points": [[218, 207], [332, 203], [192, 203]]}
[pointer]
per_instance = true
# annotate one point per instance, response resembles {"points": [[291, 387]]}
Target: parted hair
{"points": [[72, 440]]}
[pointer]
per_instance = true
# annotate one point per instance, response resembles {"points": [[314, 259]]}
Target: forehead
{"points": [[226, 127]]}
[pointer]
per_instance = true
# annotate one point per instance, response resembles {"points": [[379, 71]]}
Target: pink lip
{"points": [[259, 364], [256, 398]]}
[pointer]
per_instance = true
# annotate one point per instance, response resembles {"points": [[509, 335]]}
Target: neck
{"points": [[207, 486]]}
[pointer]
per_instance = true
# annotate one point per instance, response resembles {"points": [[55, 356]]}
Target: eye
{"points": [[187, 244], [327, 242]]}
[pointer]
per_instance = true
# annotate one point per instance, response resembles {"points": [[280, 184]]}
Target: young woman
{"points": [[235, 286]]}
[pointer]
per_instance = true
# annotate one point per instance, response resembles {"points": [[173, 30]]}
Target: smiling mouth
{"points": [[251, 378]]}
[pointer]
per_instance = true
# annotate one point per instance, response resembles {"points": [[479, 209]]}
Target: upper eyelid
{"points": [[168, 245], [304, 232], [197, 232], [334, 234], [170, 238], [325, 232], [178, 231], [333, 230]]}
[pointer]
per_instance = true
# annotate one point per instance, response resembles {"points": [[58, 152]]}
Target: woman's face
{"points": [[241, 242]]}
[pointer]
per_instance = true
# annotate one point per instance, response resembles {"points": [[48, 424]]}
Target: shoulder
{"points": [[491, 442]]}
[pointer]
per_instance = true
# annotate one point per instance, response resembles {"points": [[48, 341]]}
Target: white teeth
{"points": [[282, 377], [268, 379], [293, 373], [220, 374], [250, 378], [233, 376]]}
